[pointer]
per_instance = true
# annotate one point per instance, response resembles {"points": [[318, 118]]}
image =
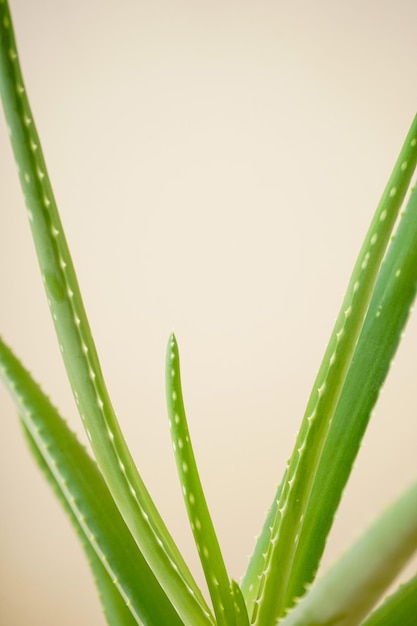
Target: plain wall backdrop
{"points": [[216, 165]]}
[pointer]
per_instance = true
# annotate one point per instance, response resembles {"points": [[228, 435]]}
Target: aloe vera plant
{"points": [[140, 572]]}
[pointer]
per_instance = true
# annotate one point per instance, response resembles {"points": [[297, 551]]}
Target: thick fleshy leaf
{"points": [[274, 575], [115, 608], [346, 593], [399, 609], [81, 485], [388, 313], [224, 601], [78, 348]]}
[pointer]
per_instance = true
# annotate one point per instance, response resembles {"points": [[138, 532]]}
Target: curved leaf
{"points": [[115, 608], [78, 348], [388, 313], [399, 609], [224, 602], [272, 572], [77, 478], [348, 590]]}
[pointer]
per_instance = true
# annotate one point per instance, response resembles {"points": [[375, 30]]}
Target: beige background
{"points": [[216, 165]]}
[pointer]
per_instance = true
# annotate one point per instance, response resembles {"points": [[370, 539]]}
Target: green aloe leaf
{"points": [[76, 477], [78, 348], [399, 609], [269, 585], [224, 601], [388, 313], [139, 569], [115, 608], [348, 590]]}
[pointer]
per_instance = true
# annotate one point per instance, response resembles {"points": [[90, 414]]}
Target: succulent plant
{"points": [[140, 572]]}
